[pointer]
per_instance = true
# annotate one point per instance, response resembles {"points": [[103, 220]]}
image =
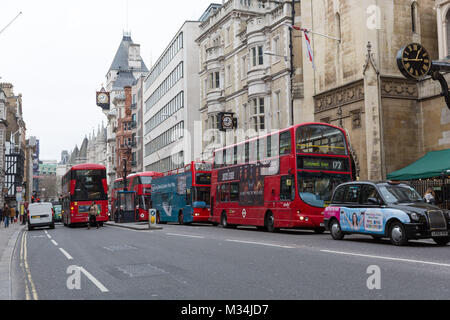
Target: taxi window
{"points": [[367, 192], [352, 194], [339, 195]]}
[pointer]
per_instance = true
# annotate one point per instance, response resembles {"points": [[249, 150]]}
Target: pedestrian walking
{"points": [[6, 214], [430, 196], [93, 213], [12, 214]]}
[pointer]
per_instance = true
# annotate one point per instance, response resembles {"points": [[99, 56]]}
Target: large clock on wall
{"points": [[103, 99], [414, 61]]}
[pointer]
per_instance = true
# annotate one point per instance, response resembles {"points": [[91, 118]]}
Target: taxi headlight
{"points": [[414, 216]]}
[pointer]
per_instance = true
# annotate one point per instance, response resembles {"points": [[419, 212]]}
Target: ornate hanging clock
{"points": [[414, 61]]}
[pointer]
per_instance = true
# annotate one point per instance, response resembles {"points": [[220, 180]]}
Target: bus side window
{"points": [[287, 189], [188, 197], [285, 143]]}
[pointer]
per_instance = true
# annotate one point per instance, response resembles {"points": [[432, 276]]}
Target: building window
{"points": [[276, 46], [214, 80], [257, 56], [228, 75], [244, 67], [258, 115]]}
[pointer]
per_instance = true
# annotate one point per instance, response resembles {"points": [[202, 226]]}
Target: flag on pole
{"points": [[308, 43], [308, 46]]}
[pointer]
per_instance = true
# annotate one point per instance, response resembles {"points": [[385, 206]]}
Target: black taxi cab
{"points": [[385, 209]]}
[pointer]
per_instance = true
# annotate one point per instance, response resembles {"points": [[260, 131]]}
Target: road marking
{"points": [[387, 258], [49, 236], [185, 235], [260, 243], [94, 281], [68, 256], [54, 242], [27, 271], [22, 264]]}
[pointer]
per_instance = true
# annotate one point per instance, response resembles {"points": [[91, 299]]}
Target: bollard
{"points": [[151, 218]]}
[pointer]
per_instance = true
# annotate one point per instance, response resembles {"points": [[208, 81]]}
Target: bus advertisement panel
{"points": [[183, 195], [281, 180], [82, 185]]}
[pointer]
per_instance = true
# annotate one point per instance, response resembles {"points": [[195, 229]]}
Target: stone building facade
{"points": [[127, 66], [390, 121], [246, 68]]}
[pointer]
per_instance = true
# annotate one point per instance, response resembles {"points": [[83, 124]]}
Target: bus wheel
{"points": [[180, 217], [223, 220], [270, 222]]}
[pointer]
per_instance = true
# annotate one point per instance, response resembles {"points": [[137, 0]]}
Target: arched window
{"points": [[414, 17]]}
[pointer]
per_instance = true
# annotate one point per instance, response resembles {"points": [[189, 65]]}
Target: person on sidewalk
{"points": [[6, 214], [12, 214], [93, 213]]}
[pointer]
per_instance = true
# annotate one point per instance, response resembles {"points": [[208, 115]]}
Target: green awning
{"points": [[430, 166]]}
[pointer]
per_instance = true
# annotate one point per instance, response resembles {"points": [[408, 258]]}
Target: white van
{"points": [[40, 215]]}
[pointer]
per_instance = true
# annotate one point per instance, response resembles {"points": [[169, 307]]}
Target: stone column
{"points": [[373, 121]]}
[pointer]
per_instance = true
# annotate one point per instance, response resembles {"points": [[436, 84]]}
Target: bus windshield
{"points": [[200, 166], [89, 185], [316, 189], [146, 180], [202, 194], [320, 139], [203, 178]]}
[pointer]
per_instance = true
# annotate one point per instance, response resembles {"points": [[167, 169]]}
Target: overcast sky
{"points": [[57, 53]]}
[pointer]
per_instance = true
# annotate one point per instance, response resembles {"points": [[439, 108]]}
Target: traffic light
{"points": [[32, 199]]}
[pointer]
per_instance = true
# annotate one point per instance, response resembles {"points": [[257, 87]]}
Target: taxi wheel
{"points": [[441, 241], [336, 232], [397, 234]]}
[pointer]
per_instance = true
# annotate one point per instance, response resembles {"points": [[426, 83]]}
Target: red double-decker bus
{"points": [[280, 180], [141, 183], [82, 185]]}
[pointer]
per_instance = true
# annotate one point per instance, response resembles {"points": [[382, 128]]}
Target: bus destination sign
{"points": [[327, 164]]}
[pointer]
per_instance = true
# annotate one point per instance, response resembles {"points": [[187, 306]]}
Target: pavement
{"points": [[141, 226], [8, 239]]}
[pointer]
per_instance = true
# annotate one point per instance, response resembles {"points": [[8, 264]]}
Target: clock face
{"points": [[102, 98], [414, 61], [227, 121]]}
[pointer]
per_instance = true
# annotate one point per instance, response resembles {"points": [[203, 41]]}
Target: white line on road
{"points": [[68, 256], [94, 281], [49, 236], [185, 235], [260, 243], [387, 258], [54, 242]]}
